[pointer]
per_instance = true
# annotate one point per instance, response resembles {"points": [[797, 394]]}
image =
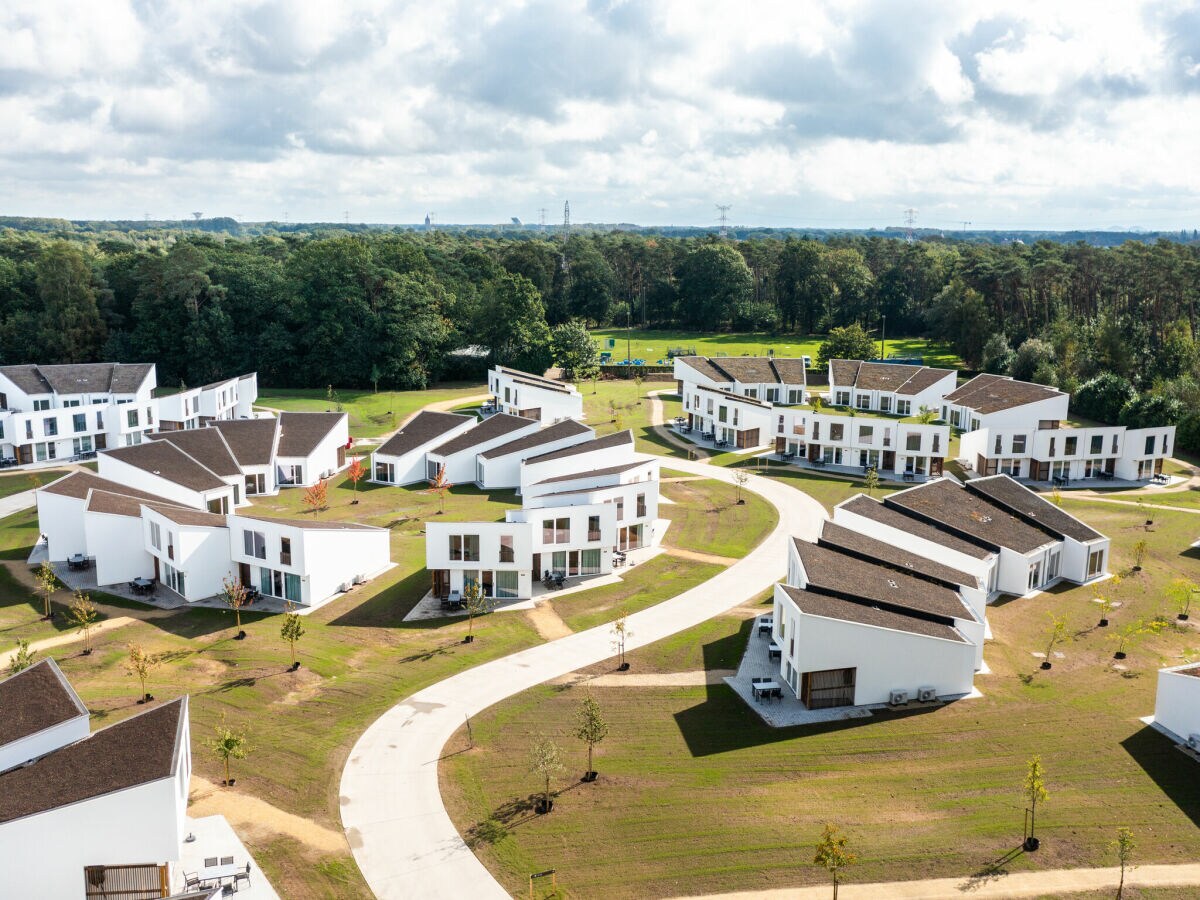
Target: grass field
{"points": [[653, 345], [370, 414], [696, 794], [16, 482]]}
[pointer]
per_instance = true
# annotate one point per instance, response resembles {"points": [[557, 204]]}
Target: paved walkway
{"points": [[401, 835], [1050, 883], [657, 421], [15, 503]]}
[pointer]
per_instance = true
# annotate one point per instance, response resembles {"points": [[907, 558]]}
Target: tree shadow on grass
{"points": [[1174, 772], [990, 872]]}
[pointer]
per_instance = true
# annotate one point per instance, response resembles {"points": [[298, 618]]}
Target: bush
{"points": [[1187, 433], [1150, 411], [1103, 397]]}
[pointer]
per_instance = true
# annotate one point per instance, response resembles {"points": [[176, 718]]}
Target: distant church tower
{"points": [[427, 220]]}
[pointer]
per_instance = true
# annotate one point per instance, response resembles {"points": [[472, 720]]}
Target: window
{"points": [[291, 587], [866, 434], [149, 416], [735, 417], [843, 398], [795, 396], [254, 543], [864, 401], [285, 551], [79, 422], [173, 579], [773, 395], [1018, 443], [999, 447], [1114, 443], [1149, 444], [50, 428], [131, 418], [155, 536], [464, 547], [885, 403], [1070, 445], [641, 506], [710, 405], [620, 509], [1051, 446], [589, 562], [1095, 563], [255, 484], [506, 585], [752, 393], [385, 472], [43, 452], [562, 531], [99, 420], [723, 414], [1096, 447], [912, 442], [937, 443], [39, 405], [836, 431], [506, 549], [593, 531], [904, 407], [29, 429], [82, 445]]}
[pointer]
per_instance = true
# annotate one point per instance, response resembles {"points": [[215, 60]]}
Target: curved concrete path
{"points": [[401, 835]]}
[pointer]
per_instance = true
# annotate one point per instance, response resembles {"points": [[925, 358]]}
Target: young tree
{"points": [[926, 416], [872, 484], [355, 473], [141, 663], [848, 342], [476, 603], [1182, 592], [1056, 497], [1058, 635], [439, 485], [834, 854], [1124, 846], [22, 659], [291, 631], [228, 745], [234, 594], [592, 729], [316, 496], [818, 402], [545, 761], [46, 585], [740, 478], [1034, 790], [1127, 636], [620, 632], [83, 617], [575, 351], [1139, 554]]}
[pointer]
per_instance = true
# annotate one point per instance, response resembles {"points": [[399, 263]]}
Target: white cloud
{"points": [[803, 113]]}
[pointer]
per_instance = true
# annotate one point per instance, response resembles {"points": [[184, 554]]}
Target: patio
{"points": [[803, 463], [694, 436], [214, 838]]}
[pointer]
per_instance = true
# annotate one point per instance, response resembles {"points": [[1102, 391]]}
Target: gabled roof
{"points": [[595, 473], [205, 445], [1031, 507], [748, 369], [993, 393], [704, 366], [167, 461], [537, 381], [181, 515], [251, 440], [876, 511], [38, 698], [423, 428], [567, 428], [830, 571], [860, 545], [79, 378], [119, 504], [300, 432], [616, 439], [312, 524], [844, 610], [489, 429], [950, 504], [136, 751], [729, 395], [893, 377], [79, 483]]}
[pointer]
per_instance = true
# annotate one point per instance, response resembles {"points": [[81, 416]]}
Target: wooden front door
{"points": [[537, 567], [244, 575], [341, 457], [440, 583], [747, 438], [889, 460], [780, 445], [828, 688]]}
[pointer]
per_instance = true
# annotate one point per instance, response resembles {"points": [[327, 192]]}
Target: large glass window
{"points": [[912, 442], [1096, 446], [285, 551], [1070, 445], [506, 548], [254, 543], [1018, 443], [50, 427], [506, 585], [79, 422], [904, 407], [155, 536], [291, 587], [593, 528], [131, 416], [464, 547], [589, 562]]}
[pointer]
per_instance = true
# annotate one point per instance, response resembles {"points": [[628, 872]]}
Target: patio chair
{"points": [[210, 861], [243, 876], [227, 860], [191, 880]]}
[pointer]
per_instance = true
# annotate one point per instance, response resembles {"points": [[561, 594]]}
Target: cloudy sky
{"points": [[1017, 114]]}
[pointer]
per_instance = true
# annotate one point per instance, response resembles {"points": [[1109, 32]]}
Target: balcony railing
{"points": [[593, 535]]}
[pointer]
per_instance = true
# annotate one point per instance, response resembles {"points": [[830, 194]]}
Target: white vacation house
{"points": [[1177, 704], [767, 378], [892, 388], [401, 458], [63, 412], [839, 439], [545, 400]]}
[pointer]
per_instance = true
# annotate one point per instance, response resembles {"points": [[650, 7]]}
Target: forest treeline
{"points": [[387, 309]]}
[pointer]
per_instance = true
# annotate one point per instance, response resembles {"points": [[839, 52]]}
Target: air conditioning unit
{"points": [[898, 698], [1193, 742], [926, 694], [345, 586], [360, 579]]}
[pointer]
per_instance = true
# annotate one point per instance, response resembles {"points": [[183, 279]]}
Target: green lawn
{"points": [[18, 534], [697, 795], [370, 414], [826, 489], [16, 482], [653, 345]]}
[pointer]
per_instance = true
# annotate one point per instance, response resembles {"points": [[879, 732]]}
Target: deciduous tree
{"points": [[1124, 847], [234, 594], [228, 744], [316, 496], [21, 659], [591, 728], [834, 854], [545, 761], [141, 663], [440, 484], [291, 631], [47, 584], [1034, 791], [83, 617], [846, 342], [355, 473]]}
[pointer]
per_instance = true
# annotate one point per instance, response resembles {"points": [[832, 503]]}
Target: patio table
{"points": [[765, 625], [220, 873], [766, 688]]}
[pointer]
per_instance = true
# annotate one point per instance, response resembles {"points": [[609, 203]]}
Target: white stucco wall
{"points": [[437, 550], [505, 471], [60, 518], [116, 543], [410, 467], [1177, 702], [32, 746], [591, 460]]}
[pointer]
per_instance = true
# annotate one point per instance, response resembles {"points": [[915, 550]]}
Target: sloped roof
{"points": [[729, 395], [205, 445], [312, 524], [167, 461], [424, 428], [875, 510], [969, 513], [538, 381], [38, 698], [300, 432], [79, 378], [114, 504], [1031, 507], [567, 428], [858, 544], [77, 484], [748, 369], [845, 610], [896, 378], [616, 439], [135, 751], [993, 393], [182, 515], [251, 440], [489, 429], [595, 473]]}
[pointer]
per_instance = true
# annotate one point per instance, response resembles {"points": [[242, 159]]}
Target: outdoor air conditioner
{"points": [[898, 698], [345, 586], [360, 579], [1193, 742], [926, 694]]}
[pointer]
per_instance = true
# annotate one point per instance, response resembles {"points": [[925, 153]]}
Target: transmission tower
{"points": [[542, 219], [964, 223], [566, 232], [197, 216], [910, 222], [724, 218]]}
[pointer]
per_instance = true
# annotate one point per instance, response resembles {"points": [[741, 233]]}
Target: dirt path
{"points": [[699, 557], [548, 623], [1051, 883], [252, 817], [67, 637], [656, 420], [698, 678]]}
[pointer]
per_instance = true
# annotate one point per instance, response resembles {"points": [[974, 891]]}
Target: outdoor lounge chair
{"points": [[243, 876]]}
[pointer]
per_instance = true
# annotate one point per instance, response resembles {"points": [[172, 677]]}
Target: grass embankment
{"points": [[358, 657], [16, 482], [370, 414], [652, 345], [697, 795]]}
